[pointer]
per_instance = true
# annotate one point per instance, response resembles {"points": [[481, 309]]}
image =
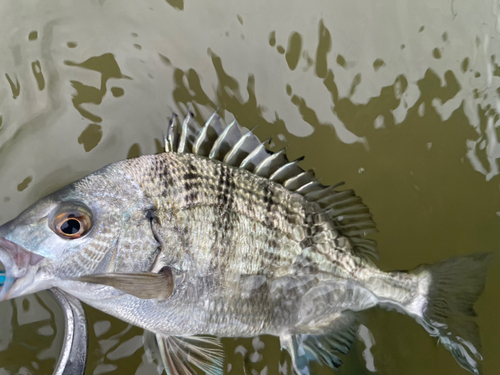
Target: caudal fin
{"points": [[450, 288]]}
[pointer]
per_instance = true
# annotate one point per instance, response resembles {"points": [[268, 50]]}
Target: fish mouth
{"points": [[2, 275], [16, 263]]}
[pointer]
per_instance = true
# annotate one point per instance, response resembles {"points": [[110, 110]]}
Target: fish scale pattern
{"points": [[237, 147]]}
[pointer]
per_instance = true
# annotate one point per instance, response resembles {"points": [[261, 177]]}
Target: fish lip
{"points": [[17, 262], [17, 255]]}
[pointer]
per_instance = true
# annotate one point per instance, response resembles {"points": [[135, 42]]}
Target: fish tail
{"points": [[444, 306]]}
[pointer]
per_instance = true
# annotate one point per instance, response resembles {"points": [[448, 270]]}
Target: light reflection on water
{"points": [[406, 92]]}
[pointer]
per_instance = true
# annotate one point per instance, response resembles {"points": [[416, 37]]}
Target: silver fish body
{"points": [[252, 243]]}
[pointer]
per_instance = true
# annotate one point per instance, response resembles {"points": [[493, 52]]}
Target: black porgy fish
{"points": [[220, 236]]}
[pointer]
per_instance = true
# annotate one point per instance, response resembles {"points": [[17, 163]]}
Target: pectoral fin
{"points": [[179, 353], [147, 285]]}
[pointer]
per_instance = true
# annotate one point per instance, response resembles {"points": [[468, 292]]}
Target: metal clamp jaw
{"points": [[73, 358]]}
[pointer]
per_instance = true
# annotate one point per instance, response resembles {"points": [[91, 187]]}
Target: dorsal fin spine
{"points": [[318, 195], [310, 187], [172, 137], [202, 137], [280, 173], [336, 197], [237, 148], [184, 133], [247, 160], [298, 181], [344, 218], [361, 224], [347, 210], [244, 150], [349, 201], [220, 139], [238, 144], [267, 162]]}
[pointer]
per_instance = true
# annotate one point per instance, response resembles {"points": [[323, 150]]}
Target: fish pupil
{"points": [[70, 226]]}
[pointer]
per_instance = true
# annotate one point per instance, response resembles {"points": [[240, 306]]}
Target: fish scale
{"points": [[220, 236], [279, 215], [263, 213]]}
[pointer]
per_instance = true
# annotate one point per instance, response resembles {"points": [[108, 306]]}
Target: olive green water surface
{"points": [[398, 98]]}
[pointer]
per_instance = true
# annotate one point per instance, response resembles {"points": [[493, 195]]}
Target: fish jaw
{"points": [[21, 270]]}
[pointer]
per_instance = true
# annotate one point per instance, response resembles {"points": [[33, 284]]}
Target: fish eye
{"points": [[71, 220]]}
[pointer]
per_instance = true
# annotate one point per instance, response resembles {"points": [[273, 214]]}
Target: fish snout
{"points": [[17, 265]]}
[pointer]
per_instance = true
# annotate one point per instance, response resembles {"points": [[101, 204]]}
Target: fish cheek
{"points": [[136, 246]]}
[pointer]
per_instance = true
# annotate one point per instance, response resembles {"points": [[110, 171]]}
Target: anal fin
{"points": [[324, 348], [180, 353]]}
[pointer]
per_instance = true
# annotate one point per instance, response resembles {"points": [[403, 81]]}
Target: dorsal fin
{"points": [[208, 136], [287, 171], [241, 149], [189, 131], [271, 163], [257, 156], [171, 139], [225, 142], [237, 147]]}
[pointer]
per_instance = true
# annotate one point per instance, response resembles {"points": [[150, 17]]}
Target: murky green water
{"points": [[398, 98]]}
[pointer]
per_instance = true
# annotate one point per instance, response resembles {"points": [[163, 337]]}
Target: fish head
{"points": [[99, 224]]}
